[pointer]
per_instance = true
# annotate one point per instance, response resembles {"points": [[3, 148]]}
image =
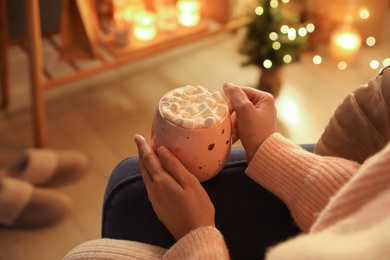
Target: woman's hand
{"points": [[177, 196], [253, 115]]}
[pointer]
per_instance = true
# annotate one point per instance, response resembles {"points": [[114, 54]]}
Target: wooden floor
{"points": [[100, 115]]}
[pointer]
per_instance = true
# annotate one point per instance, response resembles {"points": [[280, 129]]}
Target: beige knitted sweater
{"points": [[344, 209]]}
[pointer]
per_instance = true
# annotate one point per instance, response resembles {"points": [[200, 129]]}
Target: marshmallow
{"points": [[206, 112], [175, 107], [184, 95], [209, 122], [193, 107], [165, 103], [185, 103], [178, 120], [189, 90], [167, 98], [187, 115], [176, 100], [188, 123], [168, 115], [192, 110], [200, 90], [201, 97], [211, 102], [192, 98], [177, 93], [220, 110], [199, 122], [217, 96], [202, 106]]}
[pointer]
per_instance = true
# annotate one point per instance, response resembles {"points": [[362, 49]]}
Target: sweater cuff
{"points": [[303, 180], [201, 243], [107, 248]]}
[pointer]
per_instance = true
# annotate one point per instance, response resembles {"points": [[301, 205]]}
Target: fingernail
{"points": [[228, 85], [137, 138]]}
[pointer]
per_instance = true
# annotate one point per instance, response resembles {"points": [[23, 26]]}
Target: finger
{"points": [[174, 166], [144, 173], [258, 97], [230, 107], [237, 96], [234, 127], [148, 157]]}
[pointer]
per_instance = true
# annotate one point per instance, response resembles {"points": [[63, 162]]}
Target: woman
{"points": [[341, 207]]}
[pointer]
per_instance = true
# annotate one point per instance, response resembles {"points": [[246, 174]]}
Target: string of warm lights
{"points": [[346, 41], [344, 45]]}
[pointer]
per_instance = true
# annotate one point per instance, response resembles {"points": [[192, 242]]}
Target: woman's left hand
{"points": [[177, 196]]}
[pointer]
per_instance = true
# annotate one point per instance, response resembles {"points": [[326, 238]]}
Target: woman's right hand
{"points": [[253, 116]]}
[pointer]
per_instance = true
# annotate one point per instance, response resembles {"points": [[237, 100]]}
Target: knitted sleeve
{"points": [[303, 180], [201, 243], [108, 249], [356, 222]]}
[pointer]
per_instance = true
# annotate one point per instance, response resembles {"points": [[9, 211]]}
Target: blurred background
{"points": [[88, 75]]}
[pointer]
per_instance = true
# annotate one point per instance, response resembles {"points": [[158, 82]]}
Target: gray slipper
{"points": [[24, 206], [48, 167]]}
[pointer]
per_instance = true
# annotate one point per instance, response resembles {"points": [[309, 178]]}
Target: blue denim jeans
{"points": [[250, 217]]}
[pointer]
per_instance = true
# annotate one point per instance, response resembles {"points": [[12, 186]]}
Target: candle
{"points": [[127, 8], [166, 17], [188, 12], [344, 44], [128, 14], [144, 27], [121, 30], [119, 5]]}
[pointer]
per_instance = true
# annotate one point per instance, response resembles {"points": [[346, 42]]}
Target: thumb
{"points": [[237, 96]]}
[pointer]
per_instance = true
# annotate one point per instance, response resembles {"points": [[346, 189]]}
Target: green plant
{"points": [[269, 45]]}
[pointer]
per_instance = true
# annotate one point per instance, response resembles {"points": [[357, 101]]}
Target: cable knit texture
{"points": [[367, 185], [356, 222], [304, 181], [115, 249], [203, 243]]}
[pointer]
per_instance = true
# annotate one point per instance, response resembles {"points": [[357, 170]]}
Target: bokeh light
{"points": [[310, 27], [374, 64], [284, 28], [292, 34], [342, 65], [302, 32], [317, 59], [370, 41], [276, 45], [267, 64], [364, 13], [287, 58], [259, 10], [274, 3], [386, 62], [273, 36]]}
